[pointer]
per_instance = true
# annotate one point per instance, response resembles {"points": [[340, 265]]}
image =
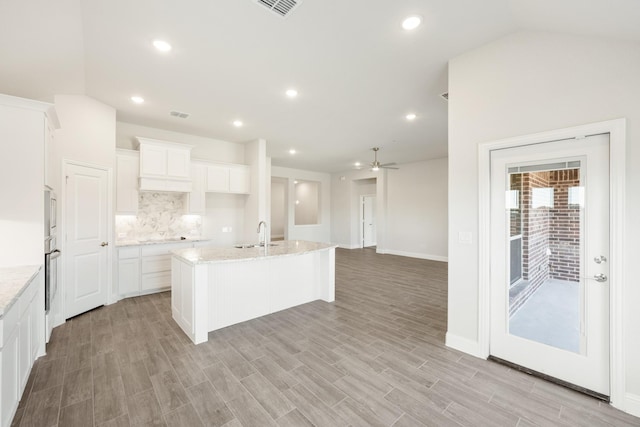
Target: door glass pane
{"points": [[545, 220]]}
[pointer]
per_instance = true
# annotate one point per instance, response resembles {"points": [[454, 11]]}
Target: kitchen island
{"points": [[212, 288]]}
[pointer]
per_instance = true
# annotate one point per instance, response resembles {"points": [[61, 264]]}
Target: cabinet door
{"points": [[9, 356], [127, 168], [218, 179], [196, 199], [153, 160], [24, 349], [178, 163], [129, 277], [239, 179]]}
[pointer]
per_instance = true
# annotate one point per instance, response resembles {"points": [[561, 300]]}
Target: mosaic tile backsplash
{"points": [[160, 216]]}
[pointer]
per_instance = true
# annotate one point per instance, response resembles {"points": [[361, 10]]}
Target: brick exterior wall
{"points": [[564, 236], [535, 231]]}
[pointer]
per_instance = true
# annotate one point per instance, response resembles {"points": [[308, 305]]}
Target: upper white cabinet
{"points": [[164, 166], [127, 171], [228, 178], [196, 199]]}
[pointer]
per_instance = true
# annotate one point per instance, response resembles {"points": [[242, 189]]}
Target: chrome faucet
{"points": [[263, 242]]}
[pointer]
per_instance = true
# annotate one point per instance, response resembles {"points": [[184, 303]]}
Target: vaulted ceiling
{"points": [[357, 72]]}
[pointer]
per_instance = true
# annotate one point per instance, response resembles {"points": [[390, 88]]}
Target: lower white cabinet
{"points": [[146, 269], [21, 341]]}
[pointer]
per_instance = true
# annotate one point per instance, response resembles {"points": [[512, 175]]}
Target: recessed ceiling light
{"points": [[411, 116], [137, 99], [357, 164], [292, 93], [412, 22], [162, 45], [292, 151], [237, 123]]}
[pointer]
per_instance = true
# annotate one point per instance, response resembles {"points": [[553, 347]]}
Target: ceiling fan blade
{"points": [[387, 164], [388, 167]]}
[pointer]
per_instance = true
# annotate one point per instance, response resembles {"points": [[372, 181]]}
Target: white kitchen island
{"points": [[212, 288]]}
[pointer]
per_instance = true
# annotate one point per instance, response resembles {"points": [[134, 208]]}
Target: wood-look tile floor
{"points": [[375, 357]]}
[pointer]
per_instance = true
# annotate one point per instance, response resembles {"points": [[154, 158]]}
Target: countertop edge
{"points": [[130, 243], [252, 258], [19, 292]]}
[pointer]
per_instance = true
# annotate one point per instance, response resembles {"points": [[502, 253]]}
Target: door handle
{"points": [[600, 259], [600, 278], [104, 244]]}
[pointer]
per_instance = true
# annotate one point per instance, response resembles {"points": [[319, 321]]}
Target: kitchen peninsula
{"points": [[212, 288]]}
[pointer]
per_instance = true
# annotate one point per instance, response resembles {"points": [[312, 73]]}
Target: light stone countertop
{"points": [[13, 280], [209, 255], [121, 243]]}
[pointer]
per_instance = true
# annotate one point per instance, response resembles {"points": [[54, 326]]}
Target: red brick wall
{"points": [[535, 236], [564, 236]]}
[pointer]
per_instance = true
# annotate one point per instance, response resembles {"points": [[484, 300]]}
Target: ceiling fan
{"points": [[376, 165]]}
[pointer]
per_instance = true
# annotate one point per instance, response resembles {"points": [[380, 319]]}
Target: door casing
{"points": [[617, 137]]}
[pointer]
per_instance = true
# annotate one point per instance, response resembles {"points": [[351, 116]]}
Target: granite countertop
{"points": [[120, 243], [13, 280], [281, 248]]}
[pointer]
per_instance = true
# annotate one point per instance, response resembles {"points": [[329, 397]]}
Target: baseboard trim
{"points": [[632, 404], [462, 344], [417, 255], [346, 246]]}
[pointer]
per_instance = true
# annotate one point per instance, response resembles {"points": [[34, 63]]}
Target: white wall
{"points": [[257, 204], [525, 83], [278, 208], [316, 233], [87, 134], [307, 195], [417, 210], [22, 134], [203, 148]]}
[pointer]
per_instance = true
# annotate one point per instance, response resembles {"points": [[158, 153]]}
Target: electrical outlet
{"points": [[226, 229]]}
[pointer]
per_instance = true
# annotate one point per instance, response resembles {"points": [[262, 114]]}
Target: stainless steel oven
{"points": [[51, 251]]}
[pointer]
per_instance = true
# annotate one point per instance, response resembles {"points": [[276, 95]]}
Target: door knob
{"points": [[104, 244]]}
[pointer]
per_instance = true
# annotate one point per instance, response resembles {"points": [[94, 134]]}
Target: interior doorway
{"points": [[368, 220]]}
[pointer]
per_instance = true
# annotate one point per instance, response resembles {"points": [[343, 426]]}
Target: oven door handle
{"points": [[54, 254]]}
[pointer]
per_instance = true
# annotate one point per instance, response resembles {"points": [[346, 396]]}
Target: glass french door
{"points": [[549, 253]]}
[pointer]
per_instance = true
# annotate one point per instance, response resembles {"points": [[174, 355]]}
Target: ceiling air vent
{"points": [[280, 7], [445, 96], [179, 114]]}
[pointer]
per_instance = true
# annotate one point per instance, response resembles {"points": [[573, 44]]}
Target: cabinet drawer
{"points": [[156, 264], [128, 253], [152, 281]]}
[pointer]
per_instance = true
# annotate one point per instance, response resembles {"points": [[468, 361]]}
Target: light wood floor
{"points": [[374, 357]]}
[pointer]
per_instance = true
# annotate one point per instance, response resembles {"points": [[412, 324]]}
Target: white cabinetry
{"points": [[146, 269], [129, 271], [127, 171], [196, 199], [21, 341], [164, 166], [228, 178]]}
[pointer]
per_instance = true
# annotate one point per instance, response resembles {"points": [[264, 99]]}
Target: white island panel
{"points": [[213, 288]]}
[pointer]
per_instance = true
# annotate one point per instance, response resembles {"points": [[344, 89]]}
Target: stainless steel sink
{"points": [[268, 244], [245, 246]]}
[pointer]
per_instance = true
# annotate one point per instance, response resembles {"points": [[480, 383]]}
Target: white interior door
{"points": [[555, 320], [368, 221], [86, 225]]}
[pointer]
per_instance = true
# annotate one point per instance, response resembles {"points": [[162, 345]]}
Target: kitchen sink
{"points": [[246, 246]]}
